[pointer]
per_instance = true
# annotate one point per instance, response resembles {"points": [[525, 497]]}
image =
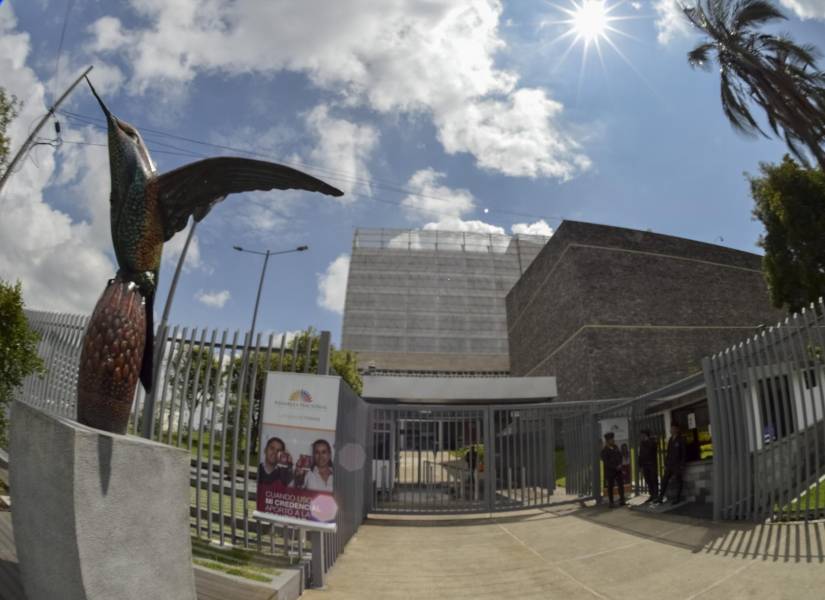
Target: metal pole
{"points": [[149, 402], [258, 298], [247, 346], [27, 144]]}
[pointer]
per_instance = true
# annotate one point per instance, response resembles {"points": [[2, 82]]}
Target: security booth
{"points": [[767, 410], [460, 444], [753, 421], [684, 402]]}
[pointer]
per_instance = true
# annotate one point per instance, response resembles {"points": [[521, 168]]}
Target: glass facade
{"points": [[440, 292]]}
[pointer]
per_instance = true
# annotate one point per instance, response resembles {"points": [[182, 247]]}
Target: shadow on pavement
{"points": [[10, 586], [799, 542]]}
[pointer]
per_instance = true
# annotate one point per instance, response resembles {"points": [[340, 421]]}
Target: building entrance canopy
{"points": [[458, 390]]}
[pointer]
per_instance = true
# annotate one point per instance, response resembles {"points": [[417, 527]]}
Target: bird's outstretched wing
{"points": [[195, 188]]}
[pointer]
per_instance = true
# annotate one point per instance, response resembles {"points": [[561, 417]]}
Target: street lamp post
{"points": [[248, 342], [266, 256]]}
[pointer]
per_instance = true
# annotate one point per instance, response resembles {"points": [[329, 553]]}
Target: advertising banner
{"points": [[295, 472]]}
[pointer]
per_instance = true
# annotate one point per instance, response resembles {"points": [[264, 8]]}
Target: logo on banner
{"points": [[300, 396]]}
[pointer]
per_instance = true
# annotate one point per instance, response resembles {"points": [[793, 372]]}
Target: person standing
{"points": [[674, 463], [647, 463], [612, 460]]}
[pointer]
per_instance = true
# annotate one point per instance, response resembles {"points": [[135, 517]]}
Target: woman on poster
{"points": [[319, 479]]}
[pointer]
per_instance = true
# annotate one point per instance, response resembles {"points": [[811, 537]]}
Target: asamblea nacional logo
{"points": [[300, 396]]}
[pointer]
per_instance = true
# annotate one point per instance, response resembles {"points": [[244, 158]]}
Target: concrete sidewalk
{"points": [[579, 552]]}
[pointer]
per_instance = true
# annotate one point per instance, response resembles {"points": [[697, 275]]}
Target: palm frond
{"points": [[735, 107], [699, 56], [696, 15], [793, 144], [750, 13], [784, 47]]}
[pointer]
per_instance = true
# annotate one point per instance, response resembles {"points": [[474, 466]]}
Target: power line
{"points": [[69, 7], [154, 150], [150, 134]]}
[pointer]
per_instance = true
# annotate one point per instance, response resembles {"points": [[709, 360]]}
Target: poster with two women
{"points": [[296, 475]]}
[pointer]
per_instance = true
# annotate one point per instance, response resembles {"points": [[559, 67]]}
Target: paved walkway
{"points": [[575, 552]]}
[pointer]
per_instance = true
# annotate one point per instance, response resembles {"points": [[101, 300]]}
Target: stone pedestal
{"points": [[97, 515]]}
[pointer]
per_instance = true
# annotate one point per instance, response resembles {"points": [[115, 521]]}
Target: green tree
{"points": [[8, 111], [764, 70], [790, 203], [18, 349]]}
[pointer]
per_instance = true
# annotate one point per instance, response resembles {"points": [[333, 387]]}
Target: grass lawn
{"points": [[802, 501], [227, 502], [233, 561]]}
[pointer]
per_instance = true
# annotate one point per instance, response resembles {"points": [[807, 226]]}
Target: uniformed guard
{"points": [[674, 463], [647, 462], [612, 460]]}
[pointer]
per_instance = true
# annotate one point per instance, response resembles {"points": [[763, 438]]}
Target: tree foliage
{"points": [[191, 367], [18, 349], [764, 70], [343, 363], [790, 203], [9, 107]]}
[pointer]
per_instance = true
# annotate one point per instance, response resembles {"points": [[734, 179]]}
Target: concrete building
{"points": [[432, 301], [614, 312]]}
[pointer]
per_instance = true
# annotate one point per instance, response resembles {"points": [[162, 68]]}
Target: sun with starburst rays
{"points": [[589, 23]]}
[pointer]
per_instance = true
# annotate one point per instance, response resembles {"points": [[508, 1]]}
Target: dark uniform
{"points": [[612, 459], [674, 465], [647, 462]]}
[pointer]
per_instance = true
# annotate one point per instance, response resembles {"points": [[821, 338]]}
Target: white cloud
{"points": [[806, 9], [456, 224], [515, 136], [670, 21], [343, 148], [63, 264], [277, 335], [431, 199], [213, 299], [540, 227], [435, 58], [173, 248], [332, 285]]}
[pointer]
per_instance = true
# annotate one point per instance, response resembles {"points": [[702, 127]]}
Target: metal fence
{"points": [[59, 347], [206, 401], [767, 400], [430, 459], [581, 448]]}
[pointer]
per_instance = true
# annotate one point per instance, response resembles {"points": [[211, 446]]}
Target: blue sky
{"points": [[424, 113]]}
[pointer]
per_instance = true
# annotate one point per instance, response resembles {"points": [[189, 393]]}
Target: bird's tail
{"points": [[147, 367]]}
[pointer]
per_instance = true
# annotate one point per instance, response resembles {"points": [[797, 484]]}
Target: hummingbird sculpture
{"points": [[147, 209]]}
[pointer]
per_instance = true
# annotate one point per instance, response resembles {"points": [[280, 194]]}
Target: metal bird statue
{"points": [[147, 209]]}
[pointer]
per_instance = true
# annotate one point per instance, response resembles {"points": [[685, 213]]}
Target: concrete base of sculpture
{"points": [[97, 515]]}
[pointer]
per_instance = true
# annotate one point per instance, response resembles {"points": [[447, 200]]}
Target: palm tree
{"points": [[766, 70]]}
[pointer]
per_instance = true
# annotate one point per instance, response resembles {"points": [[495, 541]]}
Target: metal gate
{"points": [[461, 459]]}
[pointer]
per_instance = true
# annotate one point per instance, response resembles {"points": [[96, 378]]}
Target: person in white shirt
{"points": [[319, 479]]}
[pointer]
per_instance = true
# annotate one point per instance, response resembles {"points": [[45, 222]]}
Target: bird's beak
{"points": [[109, 115]]}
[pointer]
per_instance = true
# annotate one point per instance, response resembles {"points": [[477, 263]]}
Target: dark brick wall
{"points": [[613, 312]]}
